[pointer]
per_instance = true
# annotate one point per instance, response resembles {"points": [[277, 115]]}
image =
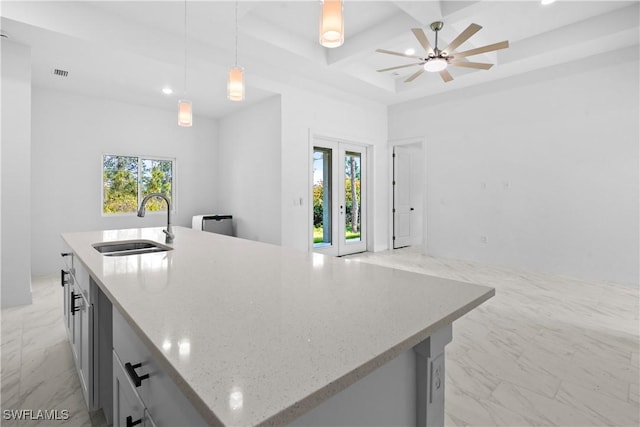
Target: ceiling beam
{"points": [[279, 37], [367, 41], [577, 34], [424, 12]]}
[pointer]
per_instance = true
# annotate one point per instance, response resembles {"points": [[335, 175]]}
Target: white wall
{"points": [[15, 180], [545, 165], [417, 189], [71, 132], [248, 174], [361, 121]]}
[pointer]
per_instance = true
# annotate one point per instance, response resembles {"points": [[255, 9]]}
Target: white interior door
{"points": [[339, 198], [402, 208]]}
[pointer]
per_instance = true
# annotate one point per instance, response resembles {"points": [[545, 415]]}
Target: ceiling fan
{"points": [[437, 60]]}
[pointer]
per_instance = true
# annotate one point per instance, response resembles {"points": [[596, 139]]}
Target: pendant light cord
{"points": [[236, 33], [185, 48]]}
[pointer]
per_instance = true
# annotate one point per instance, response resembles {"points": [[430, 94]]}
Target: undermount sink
{"points": [[130, 247]]}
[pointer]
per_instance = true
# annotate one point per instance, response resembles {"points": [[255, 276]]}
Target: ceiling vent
{"points": [[59, 72]]}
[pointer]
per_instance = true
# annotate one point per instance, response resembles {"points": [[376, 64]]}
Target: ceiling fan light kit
{"points": [[437, 60], [435, 65]]}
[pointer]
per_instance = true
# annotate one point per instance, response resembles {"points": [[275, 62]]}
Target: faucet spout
{"points": [[141, 212]]}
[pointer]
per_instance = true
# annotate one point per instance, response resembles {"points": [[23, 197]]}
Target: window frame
{"points": [[139, 198]]}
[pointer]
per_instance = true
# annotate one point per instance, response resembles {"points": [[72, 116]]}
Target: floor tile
{"points": [[605, 409], [633, 394], [540, 409], [519, 350]]}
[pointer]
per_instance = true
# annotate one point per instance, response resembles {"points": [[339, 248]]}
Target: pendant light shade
{"points": [[235, 85], [332, 24], [185, 118]]}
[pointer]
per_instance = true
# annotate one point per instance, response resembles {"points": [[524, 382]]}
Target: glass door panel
{"points": [[352, 199], [322, 181]]}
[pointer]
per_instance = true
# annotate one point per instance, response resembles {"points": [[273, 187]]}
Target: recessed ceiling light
{"points": [[167, 90], [546, 2], [410, 51]]}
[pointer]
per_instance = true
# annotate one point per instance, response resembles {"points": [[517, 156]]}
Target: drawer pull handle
{"points": [[74, 297], [131, 369], [131, 423], [64, 254], [64, 280]]}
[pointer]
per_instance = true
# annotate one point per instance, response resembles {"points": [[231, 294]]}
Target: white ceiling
{"points": [[129, 50]]}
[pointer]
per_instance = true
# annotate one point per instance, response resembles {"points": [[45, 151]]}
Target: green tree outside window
{"points": [[126, 180]]}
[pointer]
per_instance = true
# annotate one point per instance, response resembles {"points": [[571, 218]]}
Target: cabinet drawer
{"points": [[165, 402], [67, 256], [126, 402], [81, 277]]}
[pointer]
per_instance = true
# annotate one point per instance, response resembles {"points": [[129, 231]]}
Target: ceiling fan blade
{"points": [[415, 75], [390, 52], [422, 38], [478, 65], [445, 76], [463, 37], [399, 66], [483, 49]]}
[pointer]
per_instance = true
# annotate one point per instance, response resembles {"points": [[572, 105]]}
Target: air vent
{"points": [[59, 72]]}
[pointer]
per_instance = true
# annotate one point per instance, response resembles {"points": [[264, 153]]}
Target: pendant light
{"points": [[332, 24], [185, 116], [235, 84]]}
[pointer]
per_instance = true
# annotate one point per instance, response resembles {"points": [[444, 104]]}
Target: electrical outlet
{"points": [[483, 239], [437, 379]]}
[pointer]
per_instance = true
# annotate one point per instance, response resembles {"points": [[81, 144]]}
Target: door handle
{"points": [[63, 278], [74, 297], [131, 423], [411, 209]]}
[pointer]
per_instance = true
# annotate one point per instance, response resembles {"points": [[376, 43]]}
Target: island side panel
{"points": [[406, 391]]}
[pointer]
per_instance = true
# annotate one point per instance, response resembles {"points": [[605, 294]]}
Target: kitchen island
{"points": [[257, 334]]}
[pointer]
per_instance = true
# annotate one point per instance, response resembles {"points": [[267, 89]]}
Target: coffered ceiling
{"points": [[130, 50]]}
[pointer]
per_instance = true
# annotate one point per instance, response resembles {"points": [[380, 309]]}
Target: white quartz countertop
{"points": [[259, 334]]}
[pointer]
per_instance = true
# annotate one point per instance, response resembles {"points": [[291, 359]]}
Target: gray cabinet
{"points": [[161, 398], [78, 321]]}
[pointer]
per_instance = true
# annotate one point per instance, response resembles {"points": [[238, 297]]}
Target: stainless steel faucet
{"points": [[141, 212]]}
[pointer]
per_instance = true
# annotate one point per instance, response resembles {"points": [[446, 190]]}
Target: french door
{"points": [[402, 208], [339, 197]]}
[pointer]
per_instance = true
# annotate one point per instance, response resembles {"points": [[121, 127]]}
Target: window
{"points": [[127, 179]]}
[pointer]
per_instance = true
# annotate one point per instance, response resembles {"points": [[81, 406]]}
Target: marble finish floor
{"points": [[545, 351], [36, 361]]}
